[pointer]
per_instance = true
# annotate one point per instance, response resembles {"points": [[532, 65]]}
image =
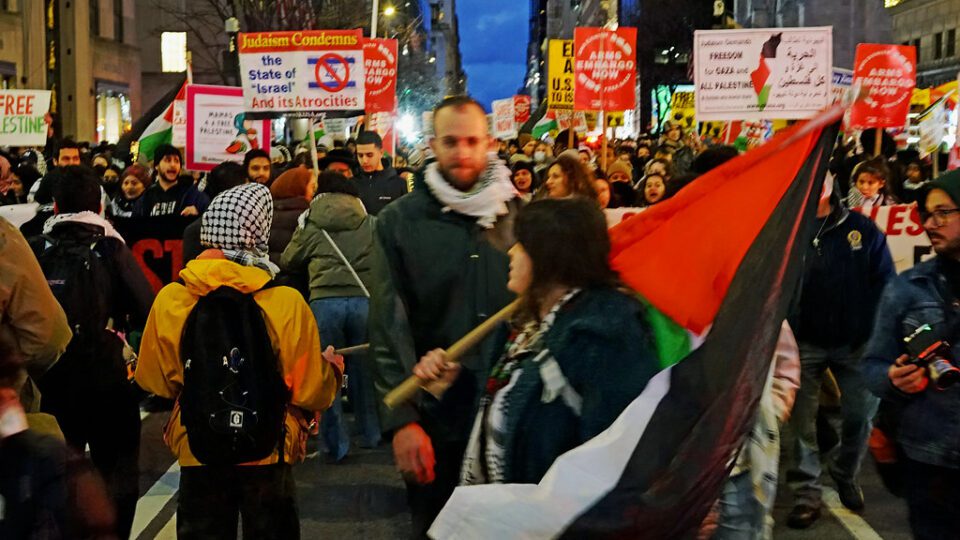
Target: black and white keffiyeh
{"points": [[486, 201], [238, 223]]}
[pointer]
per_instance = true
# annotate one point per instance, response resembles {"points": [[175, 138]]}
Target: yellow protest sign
{"points": [[683, 109], [615, 119], [560, 74], [920, 98]]}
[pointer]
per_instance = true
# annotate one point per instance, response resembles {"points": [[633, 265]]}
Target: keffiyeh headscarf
{"points": [[238, 222], [486, 201]]}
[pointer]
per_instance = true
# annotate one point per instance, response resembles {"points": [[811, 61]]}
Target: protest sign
{"points": [[560, 74], [932, 125], [683, 109], [18, 214], [757, 74], [304, 71], [504, 123], [22, 117], [606, 68], [179, 123], [842, 81], [217, 128], [384, 124], [900, 223], [889, 74], [380, 66], [521, 109]]}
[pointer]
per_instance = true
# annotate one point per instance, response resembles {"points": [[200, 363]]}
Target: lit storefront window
{"points": [[113, 113]]}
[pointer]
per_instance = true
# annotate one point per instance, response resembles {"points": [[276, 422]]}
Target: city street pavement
{"points": [[363, 498]]}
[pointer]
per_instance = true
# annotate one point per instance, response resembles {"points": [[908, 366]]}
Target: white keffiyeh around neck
{"points": [[486, 201], [90, 218]]}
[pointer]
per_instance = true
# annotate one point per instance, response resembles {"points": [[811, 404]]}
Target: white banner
{"points": [[768, 73], [305, 71], [22, 115], [504, 119]]}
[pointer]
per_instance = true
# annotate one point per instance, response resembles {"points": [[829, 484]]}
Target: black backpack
{"points": [[234, 398]]}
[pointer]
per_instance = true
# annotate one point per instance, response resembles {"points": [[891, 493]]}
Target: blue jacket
{"points": [[929, 426], [844, 276]]}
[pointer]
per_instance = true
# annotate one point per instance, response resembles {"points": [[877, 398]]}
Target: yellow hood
{"points": [[205, 275]]}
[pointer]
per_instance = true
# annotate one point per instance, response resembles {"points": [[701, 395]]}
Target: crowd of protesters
{"points": [[287, 260]]}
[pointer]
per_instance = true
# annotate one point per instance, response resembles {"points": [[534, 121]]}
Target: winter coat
{"points": [[32, 324], [379, 188], [604, 348], [311, 381], [439, 275], [343, 218], [844, 276], [929, 421], [285, 215]]}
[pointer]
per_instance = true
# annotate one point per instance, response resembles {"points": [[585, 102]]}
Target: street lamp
{"points": [[389, 11]]}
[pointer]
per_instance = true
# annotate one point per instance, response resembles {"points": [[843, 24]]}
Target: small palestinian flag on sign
{"points": [[717, 264], [761, 75]]}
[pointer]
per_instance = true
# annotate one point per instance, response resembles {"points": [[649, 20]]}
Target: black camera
{"points": [[928, 351]]}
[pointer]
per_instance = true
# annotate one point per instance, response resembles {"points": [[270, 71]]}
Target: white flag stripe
{"points": [[575, 482]]}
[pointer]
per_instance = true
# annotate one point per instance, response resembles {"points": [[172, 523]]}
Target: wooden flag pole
{"points": [[406, 390], [572, 121], [353, 350], [878, 144], [603, 145]]}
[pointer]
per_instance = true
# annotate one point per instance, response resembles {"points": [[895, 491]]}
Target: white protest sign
{"points": [[932, 127], [302, 72], [504, 119], [22, 117], [768, 73], [217, 128]]}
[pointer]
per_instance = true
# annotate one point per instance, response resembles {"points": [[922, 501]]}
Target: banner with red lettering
{"points": [[908, 243], [606, 69], [889, 74], [157, 245], [380, 66]]}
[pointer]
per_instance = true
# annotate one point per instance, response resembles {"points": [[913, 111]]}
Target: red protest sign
{"points": [[380, 65], [889, 74], [606, 69], [521, 109]]}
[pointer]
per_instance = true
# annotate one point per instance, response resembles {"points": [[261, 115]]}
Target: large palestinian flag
{"points": [[718, 264]]}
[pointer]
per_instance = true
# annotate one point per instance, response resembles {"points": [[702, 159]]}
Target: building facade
{"points": [[444, 35], [931, 26], [853, 21], [87, 53]]}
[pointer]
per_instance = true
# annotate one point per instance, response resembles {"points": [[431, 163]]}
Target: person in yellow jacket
{"points": [[236, 229]]}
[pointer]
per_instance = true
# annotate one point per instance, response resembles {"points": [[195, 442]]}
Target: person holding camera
{"points": [[910, 363]]}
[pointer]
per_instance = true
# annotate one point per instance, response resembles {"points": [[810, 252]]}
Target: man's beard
{"points": [[462, 185]]}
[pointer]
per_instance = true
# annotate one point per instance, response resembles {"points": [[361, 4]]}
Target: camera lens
{"points": [[943, 373]]}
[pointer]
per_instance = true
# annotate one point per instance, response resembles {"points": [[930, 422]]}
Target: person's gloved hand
{"points": [[413, 453]]}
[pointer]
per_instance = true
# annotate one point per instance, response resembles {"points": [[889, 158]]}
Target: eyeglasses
{"points": [[940, 217]]}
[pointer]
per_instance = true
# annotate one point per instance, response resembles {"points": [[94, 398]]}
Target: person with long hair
{"points": [[581, 349], [568, 177]]}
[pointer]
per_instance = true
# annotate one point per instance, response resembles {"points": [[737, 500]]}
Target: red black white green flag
{"points": [[717, 264]]}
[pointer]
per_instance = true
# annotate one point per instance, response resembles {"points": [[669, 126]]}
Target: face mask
{"points": [[540, 156]]}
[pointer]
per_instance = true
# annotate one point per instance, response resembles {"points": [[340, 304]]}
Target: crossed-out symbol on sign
{"points": [[326, 64]]}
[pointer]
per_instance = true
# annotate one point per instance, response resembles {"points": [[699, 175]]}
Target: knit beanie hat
{"points": [[949, 182], [620, 166], [292, 183], [140, 173]]}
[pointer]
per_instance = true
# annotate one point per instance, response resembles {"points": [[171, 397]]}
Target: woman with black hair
{"points": [[580, 351], [523, 179]]}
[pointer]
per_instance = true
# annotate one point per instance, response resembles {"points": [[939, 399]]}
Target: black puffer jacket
{"points": [[285, 215]]}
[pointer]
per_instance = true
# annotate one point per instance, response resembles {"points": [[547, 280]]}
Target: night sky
{"points": [[493, 43]]}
